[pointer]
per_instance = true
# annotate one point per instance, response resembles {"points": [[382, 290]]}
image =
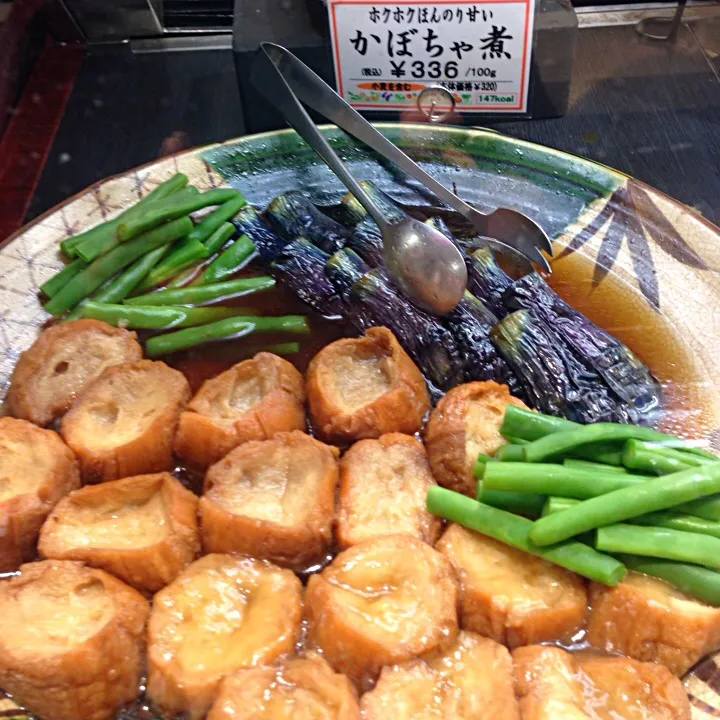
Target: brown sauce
{"points": [[619, 310]]}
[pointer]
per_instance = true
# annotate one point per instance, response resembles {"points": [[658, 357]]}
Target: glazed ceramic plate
{"points": [[638, 263]]}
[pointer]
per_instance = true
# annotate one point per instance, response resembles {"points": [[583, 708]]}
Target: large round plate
{"points": [[638, 263]]}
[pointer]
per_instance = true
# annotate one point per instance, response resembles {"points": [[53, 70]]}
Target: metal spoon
{"points": [[505, 230], [427, 267]]}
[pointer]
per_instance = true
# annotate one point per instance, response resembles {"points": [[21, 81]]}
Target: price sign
{"points": [[387, 53]]}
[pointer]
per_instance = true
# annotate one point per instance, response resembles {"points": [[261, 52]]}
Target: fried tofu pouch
{"points": [[71, 640], [221, 614], [649, 620], [383, 485], [365, 387], [142, 529], [37, 469], [552, 683], [511, 596], [463, 424], [303, 688], [381, 602], [62, 362], [470, 680], [124, 423], [274, 500], [252, 400]]}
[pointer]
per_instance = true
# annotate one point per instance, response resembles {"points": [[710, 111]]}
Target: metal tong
{"points": [[285, 81]]}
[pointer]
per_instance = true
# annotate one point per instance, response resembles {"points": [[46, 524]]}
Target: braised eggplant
{"points": [[292, 215], [389, 208], [441, 226], [301, 266], [366, 240], [487, 280], [470, 323], [553, 379], [374, 300], [343, 268], [267, 242], [625, 374]]}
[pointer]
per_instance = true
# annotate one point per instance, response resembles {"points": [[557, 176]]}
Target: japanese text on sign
{"points": [[386, 53]]}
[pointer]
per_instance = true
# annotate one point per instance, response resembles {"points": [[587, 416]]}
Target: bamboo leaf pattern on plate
{"points": [[631, 216]]}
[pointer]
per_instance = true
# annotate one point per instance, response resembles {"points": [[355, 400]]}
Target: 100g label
{"points": [[480, 72]]}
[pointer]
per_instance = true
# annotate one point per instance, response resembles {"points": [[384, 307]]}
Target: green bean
{"points": [[155, 317], [106, 266], [204, 293], [549, 479], [530, 504], [684, 447], [663, 457], [119, 288], [479, 467], [530, 425], [210, 224], [229, 261], [515, 440], [186, 252], [217, 240], [184, 277], [698, 582], [577, 464], [103, 238], [123, 284], [222, 330], [661, 543], [509, 453], [604, 453], [521, 423], [58, 281], [646, 496], [169, 209], [561, 444], [513, 530], [638, 456], [288, 348], [557, 504], [662, 518]]}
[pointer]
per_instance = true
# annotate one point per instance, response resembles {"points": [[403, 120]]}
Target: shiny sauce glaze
{"points": [[613, 306]]}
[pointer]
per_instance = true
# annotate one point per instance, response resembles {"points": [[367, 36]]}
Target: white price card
{"points": [[386, 53]]}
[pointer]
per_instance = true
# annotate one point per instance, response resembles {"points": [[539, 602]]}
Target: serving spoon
{"points": [[428, 267]]}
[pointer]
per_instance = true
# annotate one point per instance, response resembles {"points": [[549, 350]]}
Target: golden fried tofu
{"points": [[509, 595], [62, 362], [124, 422], [647, 619], [470, 680], [274, 500], [252, 400], [383, 484], [302, 688], [552, 683], [37, 469], [223, 613], [71, 640], [142, 529], [464, 423], [365, 387], [379, 603]]}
